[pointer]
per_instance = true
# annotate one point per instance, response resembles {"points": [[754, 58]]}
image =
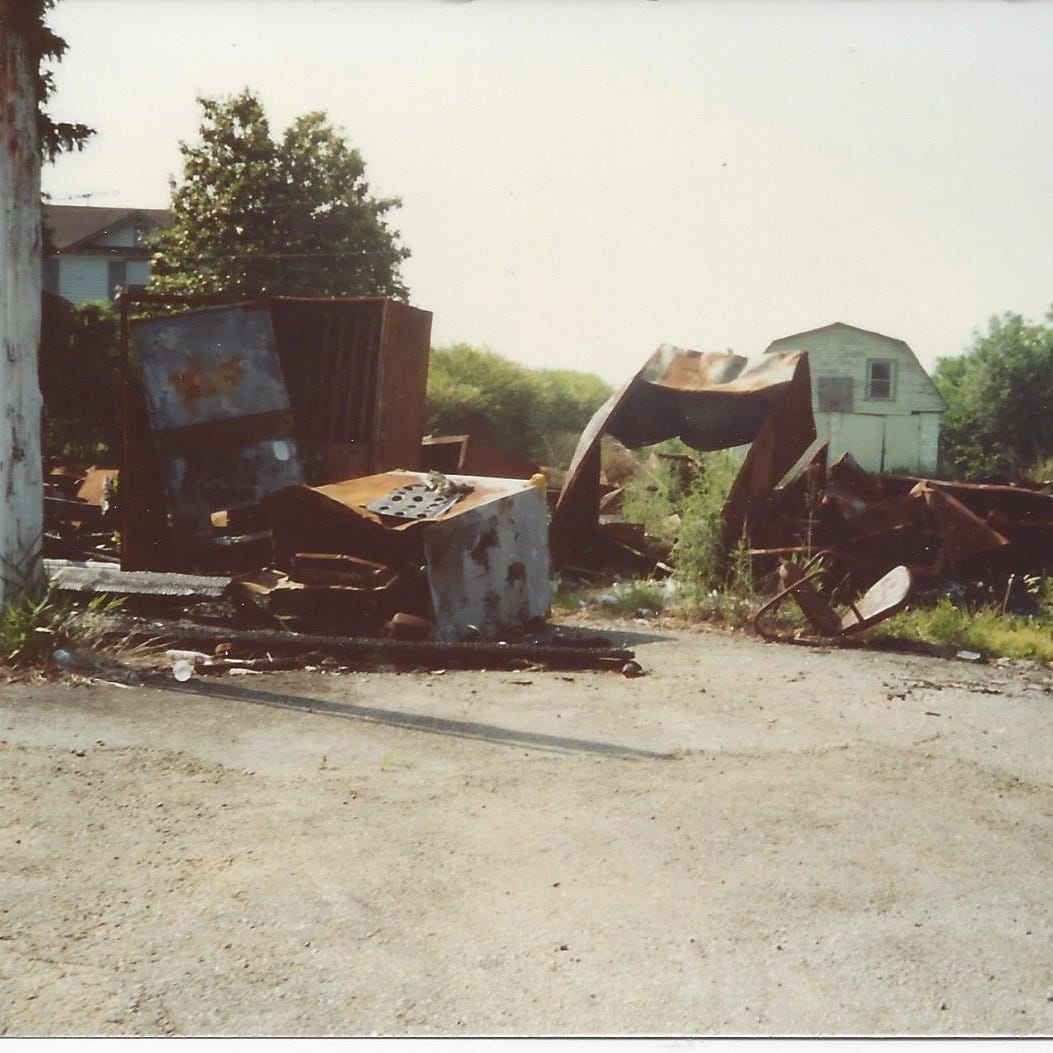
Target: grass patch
{"points": [[40, 621], [566, 598], [985, 630]]}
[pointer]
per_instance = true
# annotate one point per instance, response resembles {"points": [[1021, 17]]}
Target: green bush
{"points": [[699, 558], [536, 414], [80, 380], [653, 497]]}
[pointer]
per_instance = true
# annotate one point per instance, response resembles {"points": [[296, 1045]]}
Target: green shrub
{"points": [[534, 413], [699, 558], [80, 380], [653, 497]]}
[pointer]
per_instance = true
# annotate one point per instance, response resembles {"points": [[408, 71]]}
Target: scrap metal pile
{"points": [[866, 524], [937, 529], [278, 444], [273, 451]]}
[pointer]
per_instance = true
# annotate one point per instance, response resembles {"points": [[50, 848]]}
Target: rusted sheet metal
{"points": [[488, 567], [485, 559], [872, 523], [880, 521], [710, 401], [468, 455], [784, 435], [218, 406], [329, 606], [354, 371]]}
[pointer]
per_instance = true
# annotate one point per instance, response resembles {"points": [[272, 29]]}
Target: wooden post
{"points": [[21, 483]]}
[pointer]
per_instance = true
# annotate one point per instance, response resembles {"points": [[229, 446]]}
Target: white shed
{"points": [[871, 398]]}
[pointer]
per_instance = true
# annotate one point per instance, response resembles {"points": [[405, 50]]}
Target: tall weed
{"points": [[699, 557]]}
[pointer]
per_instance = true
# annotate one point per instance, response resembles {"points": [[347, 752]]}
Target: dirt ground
{"points": [[751, 839]]}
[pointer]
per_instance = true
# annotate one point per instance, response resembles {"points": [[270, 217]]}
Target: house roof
{"points": [[73, 225], [782, 341]]}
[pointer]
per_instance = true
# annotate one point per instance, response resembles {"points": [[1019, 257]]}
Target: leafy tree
{"points": [[999, 396], [54, 136], [255, 216], [533, 413]]}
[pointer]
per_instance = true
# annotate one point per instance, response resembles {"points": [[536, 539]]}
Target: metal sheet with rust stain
{"points": [[488, 568], [486, 557], [204, 374], [711, 402]]}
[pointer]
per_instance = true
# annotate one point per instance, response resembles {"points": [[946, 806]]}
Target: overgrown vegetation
{"points": [[999, 394], [38, 621], [713, 585], [537, 414], [984, 628], [80, 381]]}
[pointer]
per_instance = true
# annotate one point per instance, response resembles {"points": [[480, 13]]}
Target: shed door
{"points": [[903, 444], [860, 435]]}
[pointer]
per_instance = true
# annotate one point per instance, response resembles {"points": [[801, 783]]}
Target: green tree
{"points": [[536, 414], [54, 136], [999, 396], [254, 215]]}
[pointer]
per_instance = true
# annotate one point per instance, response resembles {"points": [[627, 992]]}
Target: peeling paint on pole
{"points": [[21, 487]]}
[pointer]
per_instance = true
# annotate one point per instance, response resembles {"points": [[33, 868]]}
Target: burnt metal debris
{"points": [[275, 449], [938, 530], [371, 653], [474, 569], [711, 401], [225, 402], [81, 511], [273, 445], [884, 598]]}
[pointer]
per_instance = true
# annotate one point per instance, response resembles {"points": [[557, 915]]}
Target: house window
{"points": [[51, 275], [880, 374], [115, 278]]}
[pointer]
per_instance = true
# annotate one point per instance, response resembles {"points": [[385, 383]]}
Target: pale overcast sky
{"points": [[586, 179]]}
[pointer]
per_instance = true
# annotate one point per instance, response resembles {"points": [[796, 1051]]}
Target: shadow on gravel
{"points": [[412, 721]]}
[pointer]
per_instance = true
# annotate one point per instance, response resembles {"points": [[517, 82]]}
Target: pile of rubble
{"points": [[274, 458]]}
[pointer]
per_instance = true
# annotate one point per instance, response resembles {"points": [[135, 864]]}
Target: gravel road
{"points": [[751, 839]]}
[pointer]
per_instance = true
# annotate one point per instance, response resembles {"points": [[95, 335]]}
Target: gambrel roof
{"points": [[784, 343]]}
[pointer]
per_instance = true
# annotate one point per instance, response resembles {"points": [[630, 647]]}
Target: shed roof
{"points": [[73, 225], [781, 343]]}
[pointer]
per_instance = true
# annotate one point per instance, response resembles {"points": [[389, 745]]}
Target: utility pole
{"points": [[21, 483]]}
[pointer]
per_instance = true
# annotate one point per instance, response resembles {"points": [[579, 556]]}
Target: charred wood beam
{"points": [[383, 652]]}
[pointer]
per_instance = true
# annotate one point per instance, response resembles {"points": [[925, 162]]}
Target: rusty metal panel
{"points": [[402, 386], [219, 410], [711, 402], [467, 455], [330, 353], [356, 372], [488, 567]]}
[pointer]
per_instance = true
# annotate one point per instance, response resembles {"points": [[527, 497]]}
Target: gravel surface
{"points": [[751, 839]]}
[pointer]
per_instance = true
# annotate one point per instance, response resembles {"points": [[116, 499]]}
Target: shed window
{"points": [[880, 374]]}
